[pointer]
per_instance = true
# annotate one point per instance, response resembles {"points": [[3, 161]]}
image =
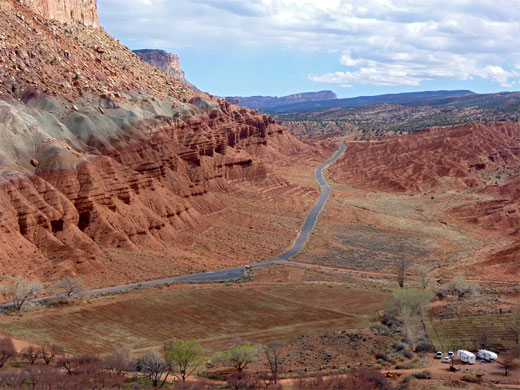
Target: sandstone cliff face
{"points": [[167, 62], [66, 11]]}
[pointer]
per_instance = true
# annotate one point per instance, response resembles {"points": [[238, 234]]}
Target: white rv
{"points": [[486, 355], [466, 356]]}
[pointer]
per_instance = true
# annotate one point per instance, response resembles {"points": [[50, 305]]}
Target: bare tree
{"points": [[273, 358], [402, 266], [119, 362], [155, 368], [31, 354], [7, 350], [68, 287], [50, 352], [411, 304], [426, 278], [509, 362], [184, 357], [20, 291]]}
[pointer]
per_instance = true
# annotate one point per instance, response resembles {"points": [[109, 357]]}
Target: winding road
{"points": [[236, 272]]}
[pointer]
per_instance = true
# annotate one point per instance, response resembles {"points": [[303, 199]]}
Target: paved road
{"points": [[237, 272]]}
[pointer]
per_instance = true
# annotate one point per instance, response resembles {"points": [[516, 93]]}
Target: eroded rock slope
{"points": [[100, 151]]}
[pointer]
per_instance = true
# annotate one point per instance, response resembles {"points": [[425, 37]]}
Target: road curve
{"points": [[236, 272]]}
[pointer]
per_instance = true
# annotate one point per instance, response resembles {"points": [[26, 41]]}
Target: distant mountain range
{"points": [[398, 113], [398, 98], [273, 102]]}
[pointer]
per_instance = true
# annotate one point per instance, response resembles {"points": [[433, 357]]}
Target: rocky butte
{"points": [[167, 62], [105, 158]]}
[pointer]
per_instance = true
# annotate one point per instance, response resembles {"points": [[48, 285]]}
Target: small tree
{"points": [[460, 287], [184, 357], [31, 354], [509, 362], [7, 350], [273, 358], [119, 362], [20, 291], [68, 287], [402, 266], [411, 304], [426, 278], [155, 368], [239, 356], [50, 352]]}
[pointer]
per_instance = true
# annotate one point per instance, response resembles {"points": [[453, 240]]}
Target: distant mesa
{"points": [[270, 102], [361, 101], [167, 62]]}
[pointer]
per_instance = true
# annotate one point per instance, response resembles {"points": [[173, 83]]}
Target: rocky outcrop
{"points": [[66, 11], [266, 102], [167, 62]]}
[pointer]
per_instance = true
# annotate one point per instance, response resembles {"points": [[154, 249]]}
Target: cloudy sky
{"points": [[356, 47]]}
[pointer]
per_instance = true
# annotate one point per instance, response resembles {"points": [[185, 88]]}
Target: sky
{"points": [[354, 48]]}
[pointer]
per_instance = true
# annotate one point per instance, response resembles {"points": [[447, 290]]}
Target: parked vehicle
{"points": [[438, 355], [451, 354], [446, 359], [488, 356], [466, 356]]}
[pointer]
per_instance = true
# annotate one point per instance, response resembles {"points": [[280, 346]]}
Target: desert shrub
{"points": [[460, 287], [424, 346], [423, 375], [389, 319], [405, 366], [383, 356], [380, 330], [469, 378], [407, 353], [398, 347]]}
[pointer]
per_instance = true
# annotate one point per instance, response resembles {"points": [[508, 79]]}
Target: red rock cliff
{"points": [[167, 62], [84, 11]]}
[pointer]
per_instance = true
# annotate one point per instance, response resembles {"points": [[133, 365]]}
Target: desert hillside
{"points": [[479, 163], [108, 164]]}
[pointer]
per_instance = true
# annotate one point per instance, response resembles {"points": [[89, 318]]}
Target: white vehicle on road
{"points": [[466, 356]]}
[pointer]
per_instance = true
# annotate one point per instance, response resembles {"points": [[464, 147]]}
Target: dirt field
{"points": [[213, 314], [368, 231]]}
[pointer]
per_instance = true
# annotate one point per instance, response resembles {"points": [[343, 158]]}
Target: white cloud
{"points": [[382, 42]]}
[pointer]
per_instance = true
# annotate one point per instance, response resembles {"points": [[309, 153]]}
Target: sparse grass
{"points": [[213, 314]]}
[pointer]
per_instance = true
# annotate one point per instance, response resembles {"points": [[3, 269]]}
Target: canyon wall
{"points": [[66, 11]]}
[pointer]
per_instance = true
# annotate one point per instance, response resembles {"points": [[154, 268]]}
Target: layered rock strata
{"points": [[101, 152]]}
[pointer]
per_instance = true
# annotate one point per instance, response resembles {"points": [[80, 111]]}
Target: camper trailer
{"points": [[466, 356], [488, 356]]}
